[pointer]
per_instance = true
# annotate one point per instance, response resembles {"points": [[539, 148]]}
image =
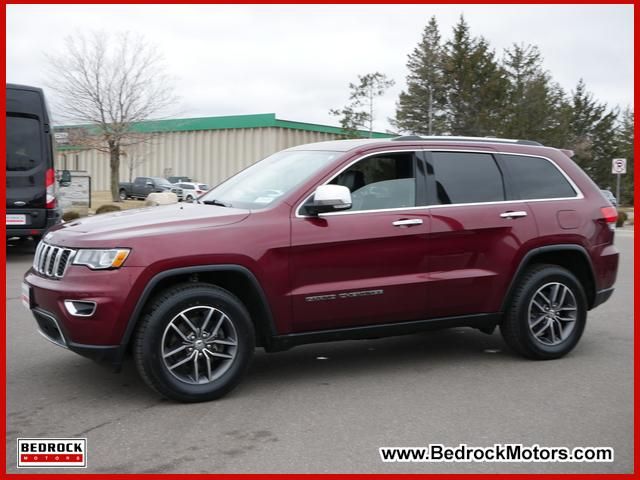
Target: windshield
{"points": [[23, 143], [268, 180]]}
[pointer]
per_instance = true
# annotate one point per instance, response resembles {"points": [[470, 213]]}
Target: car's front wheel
{"points": [[547, 313], [194, 343]]}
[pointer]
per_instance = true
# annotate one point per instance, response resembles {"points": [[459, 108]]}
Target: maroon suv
{"points": [[330, 241]]}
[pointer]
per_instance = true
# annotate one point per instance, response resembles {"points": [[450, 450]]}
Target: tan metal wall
{"points": [[208, 156]]}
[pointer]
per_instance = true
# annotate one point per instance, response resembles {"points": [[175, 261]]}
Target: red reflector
{"points": [[198, 192], [34, 232], [50, 180], [610, 214]]}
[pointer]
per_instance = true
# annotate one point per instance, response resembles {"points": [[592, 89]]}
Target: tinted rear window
{"points": [[24, 150], [536, 177], [467, 178]]}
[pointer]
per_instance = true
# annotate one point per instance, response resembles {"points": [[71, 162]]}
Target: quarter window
{"points": [[380, 182], [536, 178], [466, 178]]}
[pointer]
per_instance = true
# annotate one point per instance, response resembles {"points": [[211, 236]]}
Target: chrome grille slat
{"points": [[37, 256], [43, 260], [52, 261], [47, 260]]}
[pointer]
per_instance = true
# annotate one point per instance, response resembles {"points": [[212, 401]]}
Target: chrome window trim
{"points": [[579, 195]]}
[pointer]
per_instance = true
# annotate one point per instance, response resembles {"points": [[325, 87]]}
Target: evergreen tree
{"points": [[360, 112], [420, 109], [476, 85], [625, 140], [592, 135], [536, 108]]}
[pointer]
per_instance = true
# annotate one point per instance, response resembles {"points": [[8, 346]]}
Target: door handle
{"points": [[518, 214], [407, 222]]}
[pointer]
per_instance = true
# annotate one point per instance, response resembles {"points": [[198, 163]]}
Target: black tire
{"points": [[149, 337], [123, 195], [515, 325]]}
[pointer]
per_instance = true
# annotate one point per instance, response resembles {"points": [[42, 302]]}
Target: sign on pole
{"points": [[619, 166]]}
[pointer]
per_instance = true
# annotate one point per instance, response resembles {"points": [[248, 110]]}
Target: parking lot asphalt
{"points": [[328, 407]]}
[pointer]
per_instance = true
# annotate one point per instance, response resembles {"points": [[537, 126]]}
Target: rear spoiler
{"points": [[568, 153]]}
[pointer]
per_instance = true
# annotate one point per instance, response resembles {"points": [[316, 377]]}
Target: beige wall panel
{"points": [[208, 156]]}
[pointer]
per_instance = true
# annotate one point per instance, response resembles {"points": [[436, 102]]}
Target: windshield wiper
{"points": [[218, 203]]}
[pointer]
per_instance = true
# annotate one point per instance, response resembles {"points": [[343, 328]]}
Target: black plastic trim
{"points": [[561, 247], [602, 296], [133, 319], [483, 321]]}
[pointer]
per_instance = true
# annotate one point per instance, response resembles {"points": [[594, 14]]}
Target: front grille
{"points": [[52, 261]]}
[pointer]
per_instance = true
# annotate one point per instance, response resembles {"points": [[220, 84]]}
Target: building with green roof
{"points": [[207, 149]]}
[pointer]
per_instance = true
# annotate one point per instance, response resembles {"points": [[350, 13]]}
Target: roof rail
{"points": [[445, 138]]}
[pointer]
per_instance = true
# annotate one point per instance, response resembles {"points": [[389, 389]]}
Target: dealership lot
{"points": [[328, 407]]}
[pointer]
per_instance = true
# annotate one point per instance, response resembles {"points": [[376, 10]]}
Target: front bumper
{"points": [[51, 329], [97, 336]]}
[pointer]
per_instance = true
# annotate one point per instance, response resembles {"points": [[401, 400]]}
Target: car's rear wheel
{"points": [[195, 342], [123, 195], [547, 313]]}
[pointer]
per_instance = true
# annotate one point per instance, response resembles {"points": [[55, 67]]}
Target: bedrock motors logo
{"points": [[52, 452]]}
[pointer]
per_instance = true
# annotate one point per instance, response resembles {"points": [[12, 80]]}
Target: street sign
{"points": [[62, 138], [619, 166]]}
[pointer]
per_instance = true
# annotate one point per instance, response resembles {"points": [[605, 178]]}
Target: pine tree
{"points": [[360, 112], [420, 109], [536, 107], [476, 84], [625, 138], [592, 135]]}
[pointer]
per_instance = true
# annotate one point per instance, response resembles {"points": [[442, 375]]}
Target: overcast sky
{"points": [[297, 61]]}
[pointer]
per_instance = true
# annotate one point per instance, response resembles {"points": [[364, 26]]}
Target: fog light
{"points": [[80, 308]]}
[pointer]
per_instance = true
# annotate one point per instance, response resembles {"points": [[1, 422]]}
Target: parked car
{"points": [[143, 186], [31, 188], [192, 190], [333, 241], [178, 179], [610, 196]]}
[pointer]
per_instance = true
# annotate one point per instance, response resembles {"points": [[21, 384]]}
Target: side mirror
{"points": [[65, 178], [329, 198]]}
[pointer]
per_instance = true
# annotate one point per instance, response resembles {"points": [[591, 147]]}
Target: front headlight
{"points": [[101, 259]]}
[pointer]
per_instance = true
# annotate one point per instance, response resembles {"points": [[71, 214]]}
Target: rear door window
{"points": [[536, 178], [466, 178], [24, 144]]}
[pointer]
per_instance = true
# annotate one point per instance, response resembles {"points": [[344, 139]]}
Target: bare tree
{"points": [[108, 83]]}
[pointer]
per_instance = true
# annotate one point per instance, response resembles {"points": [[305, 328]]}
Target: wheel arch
{"points": [[573, 257], [237, 279]]}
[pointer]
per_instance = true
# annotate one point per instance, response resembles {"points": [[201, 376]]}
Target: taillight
{"points": [[199, 192], [610, 215], [50, 182]]}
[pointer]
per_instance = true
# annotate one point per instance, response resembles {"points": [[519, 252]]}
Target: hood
{"points": [[111, 228]]}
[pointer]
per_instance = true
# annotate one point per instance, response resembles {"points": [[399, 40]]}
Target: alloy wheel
{"points": [[199, 345], [552, 313]]}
